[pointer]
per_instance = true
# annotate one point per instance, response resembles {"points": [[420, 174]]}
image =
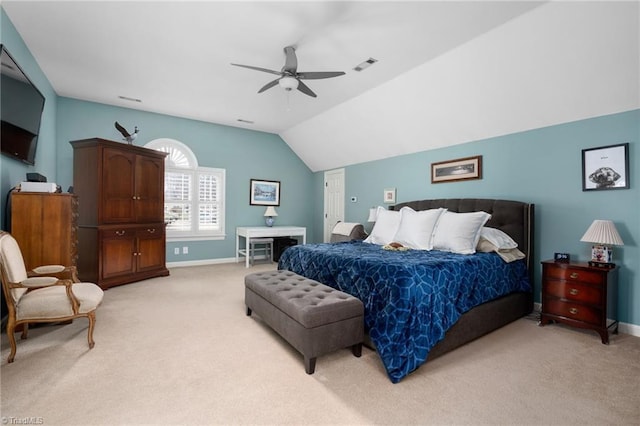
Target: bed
{"points": [[420, 304]]}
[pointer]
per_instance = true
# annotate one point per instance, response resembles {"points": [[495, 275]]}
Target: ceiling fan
{"points": [[290, 78]]}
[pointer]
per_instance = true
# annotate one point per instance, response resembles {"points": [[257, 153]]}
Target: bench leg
{"points": [[309, 365], [357, 350], [248, 311]]}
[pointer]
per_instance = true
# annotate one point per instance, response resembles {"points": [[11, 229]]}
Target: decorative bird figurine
{"points": [[128, 137]]}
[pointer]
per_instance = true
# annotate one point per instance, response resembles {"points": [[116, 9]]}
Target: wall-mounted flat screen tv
{"points": [[21, 105]]}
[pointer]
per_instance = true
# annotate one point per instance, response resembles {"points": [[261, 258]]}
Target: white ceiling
{"points": [[448, 72]]}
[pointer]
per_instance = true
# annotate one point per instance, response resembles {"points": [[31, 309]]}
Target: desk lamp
{"points": [[269, 214]]}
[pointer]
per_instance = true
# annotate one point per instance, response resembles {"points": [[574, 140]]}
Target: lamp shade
{"points": [[602, 232], [288, 83], [271, 211]]}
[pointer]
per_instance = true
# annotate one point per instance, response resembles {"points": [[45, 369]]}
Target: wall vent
{"points": [[126, 98], [366, 64]]}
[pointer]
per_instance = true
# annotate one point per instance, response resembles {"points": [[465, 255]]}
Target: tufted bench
{"points": [[314, 318]]}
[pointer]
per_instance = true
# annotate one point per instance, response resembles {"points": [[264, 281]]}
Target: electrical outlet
{"points": [[176, 250], [185, 250]]}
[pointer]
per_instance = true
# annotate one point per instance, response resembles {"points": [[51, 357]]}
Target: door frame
{"points": [[327, 227]]}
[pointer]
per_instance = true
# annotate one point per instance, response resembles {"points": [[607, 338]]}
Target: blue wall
{"points": [[542, 166], [245, 154], [12, 171]]}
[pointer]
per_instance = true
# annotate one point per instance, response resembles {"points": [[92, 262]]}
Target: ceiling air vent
{"points": [[126, 98], [366, 64]]}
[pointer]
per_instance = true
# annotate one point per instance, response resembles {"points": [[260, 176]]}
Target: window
{"points": [[193, 196]]}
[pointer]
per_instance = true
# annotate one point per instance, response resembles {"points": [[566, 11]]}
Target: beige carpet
{"points": [[180, 350]]}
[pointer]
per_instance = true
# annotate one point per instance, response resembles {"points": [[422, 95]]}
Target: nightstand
{"points": [[581, 296]]}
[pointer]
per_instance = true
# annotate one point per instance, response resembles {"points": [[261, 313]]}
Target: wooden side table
{"points": [[581, 296]]}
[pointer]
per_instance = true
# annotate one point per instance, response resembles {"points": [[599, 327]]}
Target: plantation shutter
{"points": [[209, 202], [177, 201]]}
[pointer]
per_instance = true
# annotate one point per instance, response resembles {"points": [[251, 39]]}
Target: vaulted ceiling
{"points": [[446, 72]]}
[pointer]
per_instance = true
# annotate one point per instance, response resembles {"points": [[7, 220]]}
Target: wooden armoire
{"points": [[45, 227], [121, 229]]}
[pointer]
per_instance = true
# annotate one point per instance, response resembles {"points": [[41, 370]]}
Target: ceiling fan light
{"points": [[288, 83]]}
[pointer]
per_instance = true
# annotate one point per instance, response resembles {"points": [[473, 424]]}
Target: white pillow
{"points": [[416, 227], [459, 232], [508, 255], [498, 238], [385, 227]]}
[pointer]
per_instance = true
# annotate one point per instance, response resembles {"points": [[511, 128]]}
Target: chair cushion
{"points": [[48, 269], [12, 259], [39, 281], [52, 302]]}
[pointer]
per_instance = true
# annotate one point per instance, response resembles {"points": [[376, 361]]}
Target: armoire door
{"points": [[118, 186], [149, 189]]}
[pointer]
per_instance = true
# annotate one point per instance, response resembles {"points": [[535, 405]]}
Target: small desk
{"points": [[249, 232]]}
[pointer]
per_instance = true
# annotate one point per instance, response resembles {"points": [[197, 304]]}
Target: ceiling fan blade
{"points": [[319, 75], [269, 85], [291, 62], [305, 89], [258, 69]]}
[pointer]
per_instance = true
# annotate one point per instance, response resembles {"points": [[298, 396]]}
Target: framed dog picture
{"points": [[605, 167]]}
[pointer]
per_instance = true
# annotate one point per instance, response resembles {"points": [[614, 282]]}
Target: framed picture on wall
{"points": [[456, 170], [390, 195], [605, 167], [264, 193]]}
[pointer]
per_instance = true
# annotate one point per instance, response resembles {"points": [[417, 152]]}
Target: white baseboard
{"points": [[631, 329], [623, 327], [205, 262]]}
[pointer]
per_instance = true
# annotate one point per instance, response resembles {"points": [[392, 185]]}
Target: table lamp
{"points": [[269, 215], [603, 234]]}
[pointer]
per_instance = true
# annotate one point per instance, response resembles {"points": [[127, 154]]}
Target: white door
{"points": [[333, 200]]}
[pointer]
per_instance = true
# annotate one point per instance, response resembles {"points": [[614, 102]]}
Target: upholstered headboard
{"points": [[513, 217]]}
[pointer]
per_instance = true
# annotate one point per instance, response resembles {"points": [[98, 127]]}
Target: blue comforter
{"points": [[411, 298]]}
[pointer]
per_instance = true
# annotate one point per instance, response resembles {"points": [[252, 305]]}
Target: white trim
{"points": [[334, 207], [196, 238], [631, 329], [167, 143], [186, 164], [203, 262]]}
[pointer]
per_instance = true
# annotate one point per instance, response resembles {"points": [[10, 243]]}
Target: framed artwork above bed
{"points": [[390, 195], [605, 167], [456, 170]]}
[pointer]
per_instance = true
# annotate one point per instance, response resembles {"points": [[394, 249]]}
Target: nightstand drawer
{"points": [[573, 291], [573, 274], [579, 295], [573, 311]]}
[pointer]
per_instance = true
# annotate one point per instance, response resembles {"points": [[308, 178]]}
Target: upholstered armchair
{"points": [[46, 294]]}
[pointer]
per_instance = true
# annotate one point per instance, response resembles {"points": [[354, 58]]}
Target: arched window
{"points": [[193, 196]]}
